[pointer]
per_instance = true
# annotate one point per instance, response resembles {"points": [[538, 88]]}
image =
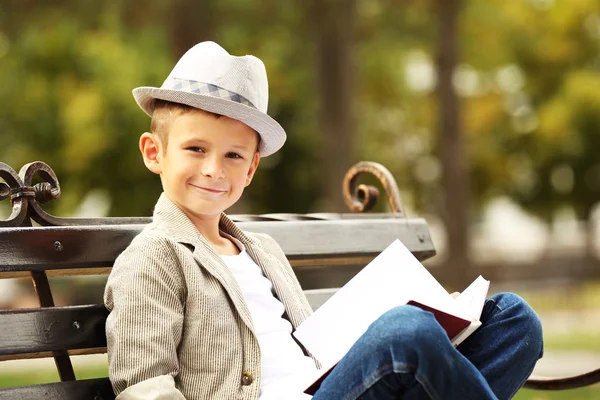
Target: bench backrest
{"points": [[325, 250], [325, 253]]}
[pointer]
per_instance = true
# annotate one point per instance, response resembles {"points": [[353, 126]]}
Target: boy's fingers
{"points": [[455, 295]]}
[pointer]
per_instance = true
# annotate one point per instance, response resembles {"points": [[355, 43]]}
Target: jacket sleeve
{"points": [[145, 297], [158, 388]]}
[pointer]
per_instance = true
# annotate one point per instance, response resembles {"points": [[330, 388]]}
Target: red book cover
{"points": [[312, 389], [452, 324]]}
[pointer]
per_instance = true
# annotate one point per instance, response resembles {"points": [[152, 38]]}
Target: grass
{"points": [[576, 340], [588, 393], [47, 375]]}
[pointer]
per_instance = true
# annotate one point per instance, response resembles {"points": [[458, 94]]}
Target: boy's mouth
{"points": [[209, 189]]}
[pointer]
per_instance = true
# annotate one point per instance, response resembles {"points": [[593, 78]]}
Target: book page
{"points": [[471, 300], [391, 279]]}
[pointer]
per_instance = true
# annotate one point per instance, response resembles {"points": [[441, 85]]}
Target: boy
{"points": [[203, 310]]}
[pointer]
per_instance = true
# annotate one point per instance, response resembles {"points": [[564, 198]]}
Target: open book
{"points": [[395, 277]]}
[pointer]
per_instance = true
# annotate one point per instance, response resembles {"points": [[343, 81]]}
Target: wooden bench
{"points": [[325, 250]]}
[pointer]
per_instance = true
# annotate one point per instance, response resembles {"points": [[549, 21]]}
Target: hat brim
{"points": [[271, 133]]}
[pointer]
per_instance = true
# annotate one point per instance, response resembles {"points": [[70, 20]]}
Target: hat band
{"points": [[207, 89]]}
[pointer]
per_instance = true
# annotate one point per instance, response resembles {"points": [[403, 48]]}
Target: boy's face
{"points": [[207, 164]]}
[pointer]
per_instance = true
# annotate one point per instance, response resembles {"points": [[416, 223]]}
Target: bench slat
{"points": [[47, 354], [54, 328], [47, 248], [87, 389], [34, 332]]}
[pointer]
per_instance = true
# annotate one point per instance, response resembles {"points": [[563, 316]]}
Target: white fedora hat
{"points": [[209, 78]]}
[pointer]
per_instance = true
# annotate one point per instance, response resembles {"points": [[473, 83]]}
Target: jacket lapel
{"points": [[206, 256]]}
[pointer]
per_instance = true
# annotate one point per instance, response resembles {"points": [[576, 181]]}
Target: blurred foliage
{"points": [[529, 81]]}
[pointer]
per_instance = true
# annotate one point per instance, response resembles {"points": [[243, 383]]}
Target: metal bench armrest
{"points": [[563, 383]]}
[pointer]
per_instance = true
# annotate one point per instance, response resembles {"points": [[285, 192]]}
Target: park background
{"points": [[487, 113]]}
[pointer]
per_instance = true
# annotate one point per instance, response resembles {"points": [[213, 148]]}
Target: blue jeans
{"points": [[406, 354]]}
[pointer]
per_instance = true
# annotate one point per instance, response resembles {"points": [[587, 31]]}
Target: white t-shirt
{"points": [[281, 357]]}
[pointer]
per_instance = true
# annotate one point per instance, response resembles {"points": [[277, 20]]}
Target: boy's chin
{"points": [[207, 213], [199, 211]]}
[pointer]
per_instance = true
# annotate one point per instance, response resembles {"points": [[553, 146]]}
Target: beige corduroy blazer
{"points": [[179, 326]]}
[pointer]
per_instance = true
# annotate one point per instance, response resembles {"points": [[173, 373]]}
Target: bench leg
{"points": [[61, 358]]}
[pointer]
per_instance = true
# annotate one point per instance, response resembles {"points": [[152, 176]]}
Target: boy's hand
{"points": [[455, 295]]}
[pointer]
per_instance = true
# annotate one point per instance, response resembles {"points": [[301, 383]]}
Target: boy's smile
{"points": [[210, 190], [207, 163]]}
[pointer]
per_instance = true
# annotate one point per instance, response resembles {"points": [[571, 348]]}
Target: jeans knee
{"points": [[406, 325], [523, 315], [519, 309]]}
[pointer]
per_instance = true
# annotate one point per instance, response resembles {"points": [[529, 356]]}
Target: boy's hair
{"points": [[165, 113]]}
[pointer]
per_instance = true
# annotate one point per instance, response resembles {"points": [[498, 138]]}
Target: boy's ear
{"points": [[253, 167], [150, 148]]}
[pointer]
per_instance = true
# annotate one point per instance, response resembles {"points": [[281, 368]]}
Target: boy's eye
{"points": [[195, 149], [233, 155]]}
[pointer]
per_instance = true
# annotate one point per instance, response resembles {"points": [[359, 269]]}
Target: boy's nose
{"points": [[213, 167]]}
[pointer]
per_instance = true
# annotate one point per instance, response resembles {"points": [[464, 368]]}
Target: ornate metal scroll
{"points": [[13, 189], [26, 199], [363, 198]]}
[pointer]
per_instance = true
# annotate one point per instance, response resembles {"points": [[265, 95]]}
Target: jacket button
{"points": [[247, 378]]}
